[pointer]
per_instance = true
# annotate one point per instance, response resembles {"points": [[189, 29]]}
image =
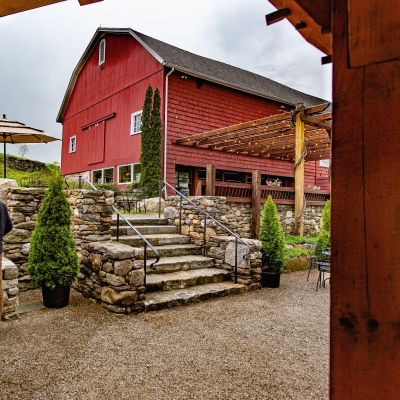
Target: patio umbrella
{"points": [[15, 132]]}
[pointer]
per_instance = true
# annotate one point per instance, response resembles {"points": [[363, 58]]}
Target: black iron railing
{"points": [[145, 241], [163, 186]]}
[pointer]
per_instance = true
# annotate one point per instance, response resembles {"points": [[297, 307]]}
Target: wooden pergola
{"points": [[304, 134]]}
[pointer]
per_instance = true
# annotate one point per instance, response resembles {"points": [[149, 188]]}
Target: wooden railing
{"points": [[241, 193]]}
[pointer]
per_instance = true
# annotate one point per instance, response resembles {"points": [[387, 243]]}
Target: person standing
{"points": [[5, 227]]}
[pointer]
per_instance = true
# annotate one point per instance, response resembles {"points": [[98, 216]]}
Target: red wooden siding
{"points": [[194, 110], [118, 87]]}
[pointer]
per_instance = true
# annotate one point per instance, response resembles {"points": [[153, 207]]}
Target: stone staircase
{"points": [[182, 275]]}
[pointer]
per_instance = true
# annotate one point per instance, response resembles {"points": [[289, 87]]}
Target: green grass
{"points": [[18, 174]]}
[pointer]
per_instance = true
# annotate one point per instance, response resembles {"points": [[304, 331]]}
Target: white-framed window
{"points": [[129, 172], [324, 163], [104, 175], [136, 122], [72, 144], [102, 52]]}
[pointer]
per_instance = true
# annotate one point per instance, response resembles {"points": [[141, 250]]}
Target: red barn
{"points": [[101, 112]]}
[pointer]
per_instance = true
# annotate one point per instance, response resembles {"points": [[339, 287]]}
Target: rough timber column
{"points": [[299, 173], [365, 282]]}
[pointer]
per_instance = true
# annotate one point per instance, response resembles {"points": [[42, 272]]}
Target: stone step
{"points": [[182, 263], [155, 240], [183, 279], [171, 250], [140, 219], [172, 298], [144, 230]]}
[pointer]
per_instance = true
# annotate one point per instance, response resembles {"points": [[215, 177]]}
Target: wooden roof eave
{"points": [[312, 19]]}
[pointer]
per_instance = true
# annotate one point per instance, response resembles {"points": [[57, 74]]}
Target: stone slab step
{"points": [[155, 240], [140, 219], [167, 299], [184, 279], [144, 230], [171, 250], [182, 263]]}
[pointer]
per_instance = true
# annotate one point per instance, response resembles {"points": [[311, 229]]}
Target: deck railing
{"points": [[241, 193]]}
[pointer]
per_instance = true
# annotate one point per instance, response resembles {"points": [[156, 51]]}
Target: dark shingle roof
{"points": [[198, 66], [225, 73]]}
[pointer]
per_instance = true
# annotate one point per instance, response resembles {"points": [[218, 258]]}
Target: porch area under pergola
{"points": [[303, 134]]}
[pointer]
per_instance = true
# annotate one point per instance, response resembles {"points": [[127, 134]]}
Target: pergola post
{"points": [[210, 179], [255, 203], [299, 172]]}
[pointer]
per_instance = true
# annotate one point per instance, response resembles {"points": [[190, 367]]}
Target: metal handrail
{"points": [[163, 184], [146, 242]]}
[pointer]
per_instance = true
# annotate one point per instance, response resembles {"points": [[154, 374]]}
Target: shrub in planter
{"points": [[324, 238], [273, 242], [53, 261]]}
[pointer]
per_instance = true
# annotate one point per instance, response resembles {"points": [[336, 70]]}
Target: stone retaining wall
{"points": [[25, 165], [10, 290], [113, 274], [23, 205], [222, 249], [235, 216]]}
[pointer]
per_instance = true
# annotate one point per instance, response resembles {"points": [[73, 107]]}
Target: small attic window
{"points": [[102, 52]]}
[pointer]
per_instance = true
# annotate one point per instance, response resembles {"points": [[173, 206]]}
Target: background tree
{"points": [[272, 238], [52, 256], [151, 141], [22, 150]]}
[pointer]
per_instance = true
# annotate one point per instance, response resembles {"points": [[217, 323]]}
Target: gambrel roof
{"points": [[200, 67]]}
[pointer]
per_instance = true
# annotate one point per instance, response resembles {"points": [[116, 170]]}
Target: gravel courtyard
{"points": [[267, 344]]}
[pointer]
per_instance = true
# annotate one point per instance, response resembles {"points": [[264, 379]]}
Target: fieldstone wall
{"points": [[10, 290], [235, 216], [113, 274], [222, 249], [25, 165], [23, 205]]}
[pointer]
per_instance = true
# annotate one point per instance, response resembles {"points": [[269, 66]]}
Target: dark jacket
{"points": [[5, 223]]}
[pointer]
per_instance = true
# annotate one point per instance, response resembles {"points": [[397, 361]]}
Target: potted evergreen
{"points": [[53, 261], [324, 239], [273, 245]]}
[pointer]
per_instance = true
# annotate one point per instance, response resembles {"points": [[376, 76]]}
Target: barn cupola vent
{"points": [[102, 52]]}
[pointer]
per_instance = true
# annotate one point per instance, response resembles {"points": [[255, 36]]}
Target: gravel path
{"points": [[267, 344]]}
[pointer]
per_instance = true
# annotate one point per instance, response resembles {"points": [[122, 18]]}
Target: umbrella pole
{"points": [[5, 161]]}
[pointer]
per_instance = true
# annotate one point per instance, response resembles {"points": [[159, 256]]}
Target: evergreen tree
{"points": [[52, 256], [272, 238]]}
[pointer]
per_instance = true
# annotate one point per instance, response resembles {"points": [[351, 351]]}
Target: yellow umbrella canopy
{"points": [[15, 132]]}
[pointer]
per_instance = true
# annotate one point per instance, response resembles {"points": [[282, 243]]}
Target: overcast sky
{"points": [[40, 49]]}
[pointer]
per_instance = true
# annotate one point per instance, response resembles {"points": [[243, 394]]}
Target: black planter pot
{"points": [[56, 298], [270, 279]]}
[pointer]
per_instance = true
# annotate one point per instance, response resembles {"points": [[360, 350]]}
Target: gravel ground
{"points": [[267, 344]]}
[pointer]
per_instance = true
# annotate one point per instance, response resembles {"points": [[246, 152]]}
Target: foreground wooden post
{"points": [[299, 174], [255, 203], [210, 180], [365, 280]]}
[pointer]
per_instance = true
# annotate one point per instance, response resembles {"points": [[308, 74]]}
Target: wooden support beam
{"points": [[210, 179], [277, 16], [255, 204], [316, 122], [234, 128], [299, 173], [316, 109], [86, 2]]}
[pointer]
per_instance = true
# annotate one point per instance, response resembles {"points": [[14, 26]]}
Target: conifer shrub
{"points": [[52, 257], [324, 238], [151, 140], [272, 238]]}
